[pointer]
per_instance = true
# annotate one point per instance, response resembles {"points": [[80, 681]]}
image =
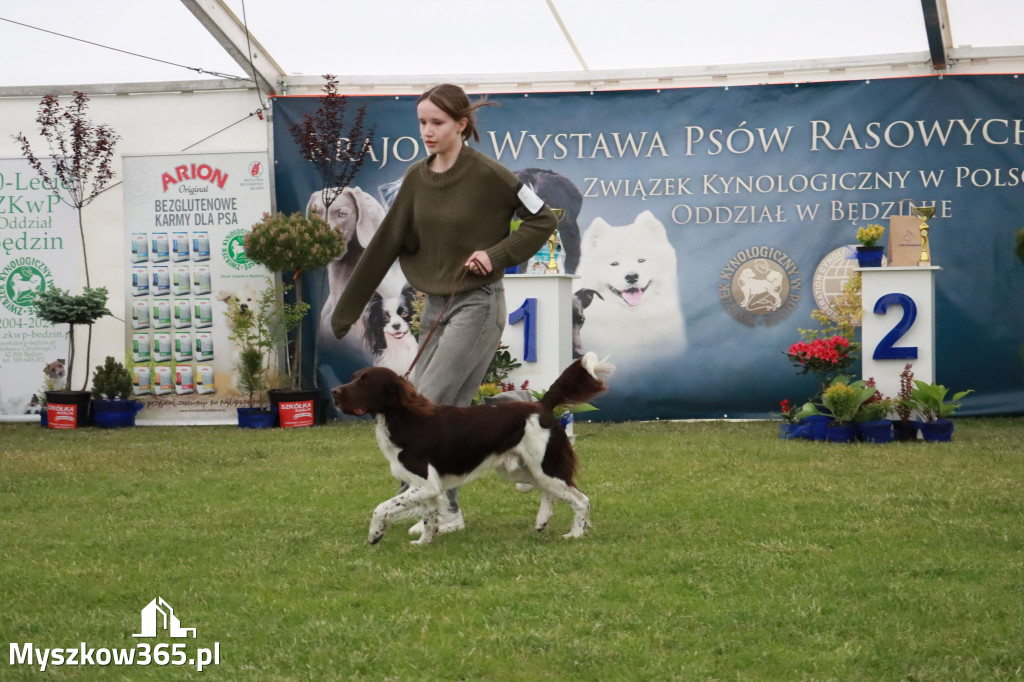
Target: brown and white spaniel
{"points": [[436, 447]]}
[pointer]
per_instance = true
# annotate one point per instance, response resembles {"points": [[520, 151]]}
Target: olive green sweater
{"points": [[437, 221]]}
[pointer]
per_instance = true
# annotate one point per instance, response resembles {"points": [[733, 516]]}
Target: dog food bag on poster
{"points": [[140, 315], [204, 346], [181, 251], [160, 251], [182, 313], [140, 247], [161, 281], [201, 281], [162, 347], [204, 380], [140, 348], [161, 317], [183, 384], [182, 347], [163, 380], [140, 280], [140, 380], [200, 246], [181, 280], [202, 315]]}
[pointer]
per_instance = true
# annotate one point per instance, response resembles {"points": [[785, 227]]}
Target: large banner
{"points": [[706, 225], [185, 219], [40, 248]]}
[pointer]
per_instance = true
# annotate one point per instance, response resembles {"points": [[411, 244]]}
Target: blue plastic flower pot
{"points": [[255, 418], [879, 431], [870, 256], [788, 431], [841, 433], [115, 414], [937, 431], [817, 426]]}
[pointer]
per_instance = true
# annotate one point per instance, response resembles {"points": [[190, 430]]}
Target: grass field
{"points": [[718, 552]]}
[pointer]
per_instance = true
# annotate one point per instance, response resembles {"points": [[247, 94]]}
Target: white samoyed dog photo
{"points": [[636, 311]]}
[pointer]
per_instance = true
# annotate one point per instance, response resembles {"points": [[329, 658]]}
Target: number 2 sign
{"points": [[898, 324]]}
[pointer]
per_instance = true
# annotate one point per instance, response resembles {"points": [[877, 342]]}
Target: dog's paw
{"points": [[422, 541], [572, 535]]}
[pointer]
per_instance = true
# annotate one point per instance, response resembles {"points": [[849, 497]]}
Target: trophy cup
{"points": [[553, 241], [924, 213]]}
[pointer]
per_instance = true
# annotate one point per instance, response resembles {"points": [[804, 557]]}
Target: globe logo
{"points": [[831, 275]]}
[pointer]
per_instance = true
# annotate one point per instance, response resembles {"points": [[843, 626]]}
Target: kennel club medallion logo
{"points": [[233, 250], [760, 286], [20, 281]]}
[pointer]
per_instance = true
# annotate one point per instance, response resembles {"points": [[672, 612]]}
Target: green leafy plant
{"points": [[501, 366], [111, 381], [258, 331], [841, 400], [294, 243], [930, 400], [58, 306]]}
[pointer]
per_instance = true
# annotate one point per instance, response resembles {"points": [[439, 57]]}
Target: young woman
{"points": [[449, 230]]}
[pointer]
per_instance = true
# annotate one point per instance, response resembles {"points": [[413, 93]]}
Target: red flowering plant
{"points": [[788, 411], [825, 357]]}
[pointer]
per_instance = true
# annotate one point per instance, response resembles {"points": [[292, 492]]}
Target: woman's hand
{"points": [[479, 263]]}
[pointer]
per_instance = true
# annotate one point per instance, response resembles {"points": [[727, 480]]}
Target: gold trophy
{"points": [[924, 213], [552, 240]]}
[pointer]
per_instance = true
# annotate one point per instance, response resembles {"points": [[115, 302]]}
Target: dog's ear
{"points": [[594, 233], [370, 215], [413, 401], [316, 203], [372, 323], [586, 297]]}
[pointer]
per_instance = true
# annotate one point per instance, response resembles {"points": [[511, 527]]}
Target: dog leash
{"points": [[444, 311]]}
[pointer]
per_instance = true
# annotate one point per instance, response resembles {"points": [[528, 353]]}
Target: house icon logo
{"points": [[151, 620]]}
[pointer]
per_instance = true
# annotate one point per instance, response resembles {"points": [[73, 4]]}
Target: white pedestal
{"points": [[547, 328], [898, 325]]}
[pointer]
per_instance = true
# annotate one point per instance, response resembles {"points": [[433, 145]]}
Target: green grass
{"points": [[718, 552]]}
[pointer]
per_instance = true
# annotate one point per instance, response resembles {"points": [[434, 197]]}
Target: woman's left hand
{"points": [[479, 263]]}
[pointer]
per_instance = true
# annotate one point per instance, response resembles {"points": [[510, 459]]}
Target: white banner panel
{"points": [[186, 216], [40, 248]]}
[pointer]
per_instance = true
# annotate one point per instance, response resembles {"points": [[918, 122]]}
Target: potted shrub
{"points": [[257, 332], [930, 402], [841, 402], [294, 243], [67, 409], [873, 423], [868, 254], [905, 428], [112, 404]]}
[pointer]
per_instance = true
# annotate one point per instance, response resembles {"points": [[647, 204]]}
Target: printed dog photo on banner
{"points": [[628, 293], [381, 336]]}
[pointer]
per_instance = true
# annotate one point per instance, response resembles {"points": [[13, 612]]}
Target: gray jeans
{"points": [[453, 364]]}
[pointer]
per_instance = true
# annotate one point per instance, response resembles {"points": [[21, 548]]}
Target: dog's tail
{"points": [[581, 381]]}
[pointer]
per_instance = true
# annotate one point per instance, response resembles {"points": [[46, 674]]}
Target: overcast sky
{"points": [[356, 37]]}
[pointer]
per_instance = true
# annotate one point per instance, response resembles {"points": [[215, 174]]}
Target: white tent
{"points": [[566, 44]]}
